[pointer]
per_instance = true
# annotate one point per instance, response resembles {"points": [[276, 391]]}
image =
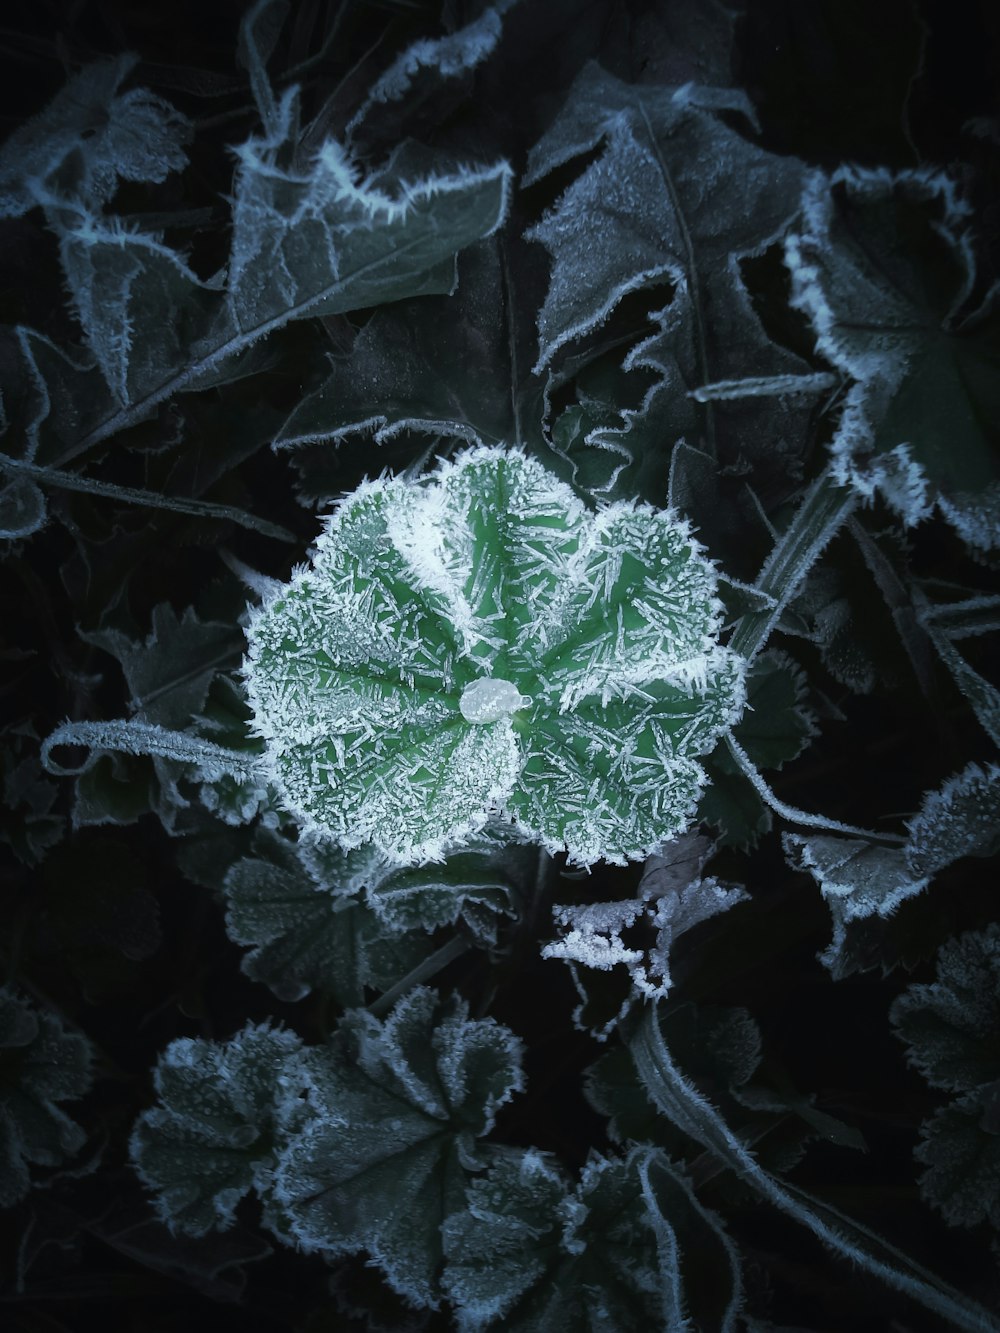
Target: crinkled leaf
{"points": [[951, 1027], [476, 640], [88, 137], [41, 1063], [538, 1256], [224, 1107], [305, 937], [592, 934], [884, 270], [394, 1111], [960, 1147]]}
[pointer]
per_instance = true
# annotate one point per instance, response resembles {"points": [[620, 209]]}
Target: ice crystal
{"points": [[477, 641]]}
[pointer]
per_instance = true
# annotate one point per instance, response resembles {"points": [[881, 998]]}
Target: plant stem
{"points": [[436, 962], [825, 506]]}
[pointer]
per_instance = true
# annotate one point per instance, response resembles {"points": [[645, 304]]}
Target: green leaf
{"points": [[477, 641], [41, 1063], [884, 270], [394, 1112], [225, 1107]]}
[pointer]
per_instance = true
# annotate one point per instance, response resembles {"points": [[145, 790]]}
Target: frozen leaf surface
{"points": [[606, 625], [884, 270], [90, 136], [951, 1026], [952, 1032], [394, 1111], [861, 880], [592, 935], [212, 1139], [311, 239], [305, 936], [960, 1147], [41, 1063], [531, 1252]]}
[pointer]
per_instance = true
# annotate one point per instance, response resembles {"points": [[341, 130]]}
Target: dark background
{"points": [[893, 84]]}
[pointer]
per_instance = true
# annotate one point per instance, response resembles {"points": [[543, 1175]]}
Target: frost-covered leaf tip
{"points": [[478, 641]]}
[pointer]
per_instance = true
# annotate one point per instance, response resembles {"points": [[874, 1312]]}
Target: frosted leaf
{"points": [[592, 934], [657, 202], [41, 1063], [489, 581], [952, 1032], [213, 1138], [427, 64], [961, 819], [857, 879], [960, 1147], [951, 1025], [96, 134], [307, 239], [530, 1253], [304, 936], [861, 880], [776, 727], [394, 1110], [883, 269]]}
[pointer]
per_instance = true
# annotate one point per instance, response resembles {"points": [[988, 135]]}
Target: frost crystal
{"points": [[478, 642]]}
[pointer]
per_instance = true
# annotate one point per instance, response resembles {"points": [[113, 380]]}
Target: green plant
{"points": [[660, 482]]}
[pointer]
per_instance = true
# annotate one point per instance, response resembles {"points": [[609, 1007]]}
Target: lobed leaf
{"points": [[599, 630], [41, 1063], [394, 1111]]}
